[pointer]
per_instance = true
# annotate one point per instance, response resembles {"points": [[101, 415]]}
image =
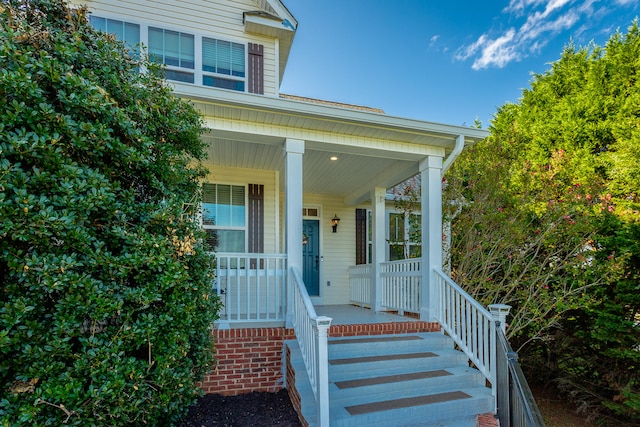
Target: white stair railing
{"points": [[311, 332], [469, 324]]}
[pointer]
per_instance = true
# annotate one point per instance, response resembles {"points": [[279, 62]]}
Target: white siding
{"points": [[217, 19]]}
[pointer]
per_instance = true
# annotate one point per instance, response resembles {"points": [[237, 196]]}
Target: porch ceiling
{"points": [[373, 149], [344, 177]]}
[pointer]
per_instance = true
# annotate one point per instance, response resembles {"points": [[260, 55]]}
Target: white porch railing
{"points": [[360, 284], [401, 285], [311, 332], [470, 325], [251, 286]]}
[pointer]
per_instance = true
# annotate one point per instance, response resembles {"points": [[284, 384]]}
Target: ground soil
{"points": [[275, 409], [556, 411], [245, 410]]}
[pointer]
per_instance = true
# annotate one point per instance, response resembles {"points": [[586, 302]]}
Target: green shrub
{"points": [[104, 305]]}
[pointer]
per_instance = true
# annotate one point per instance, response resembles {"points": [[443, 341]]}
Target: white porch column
{"points": [[378, 195], [431, 201], [294, 150]]}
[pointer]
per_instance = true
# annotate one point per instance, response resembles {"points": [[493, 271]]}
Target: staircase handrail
{"points": [[311, 332], [516, 405], [468, 323]]}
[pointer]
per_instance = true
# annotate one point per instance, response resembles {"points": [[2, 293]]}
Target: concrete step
{"points": [[363, 390], [386, 344], [394, 363], [455, 408], [397, 380]]}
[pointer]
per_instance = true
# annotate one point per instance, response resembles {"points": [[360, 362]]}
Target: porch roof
{"points": [[373, 149]]}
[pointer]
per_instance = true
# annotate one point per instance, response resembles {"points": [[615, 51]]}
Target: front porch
{"points": [[253, 290], [268, 308]]}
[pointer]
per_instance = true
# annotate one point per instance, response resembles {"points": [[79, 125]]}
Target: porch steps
{"points": [[415, 379]]}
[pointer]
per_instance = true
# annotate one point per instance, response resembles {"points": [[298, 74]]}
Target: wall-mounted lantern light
{"points": [[334, 223]]}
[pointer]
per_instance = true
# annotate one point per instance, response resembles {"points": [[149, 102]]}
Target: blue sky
{"points": [[444, 61]]}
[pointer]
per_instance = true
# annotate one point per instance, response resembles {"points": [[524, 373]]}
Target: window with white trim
{"points": [[192, 58], [174, 49], [223, 64], [224, 217]]}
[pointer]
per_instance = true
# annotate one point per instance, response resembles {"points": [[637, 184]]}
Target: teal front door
{"points": [[311, 257]]}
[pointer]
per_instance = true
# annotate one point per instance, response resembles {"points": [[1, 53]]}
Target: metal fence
{"points": [[516, 405]]}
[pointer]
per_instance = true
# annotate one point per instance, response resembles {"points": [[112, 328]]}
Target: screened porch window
{"points": [[223, 64], [403, 236], [175, 50], [224, 217]]}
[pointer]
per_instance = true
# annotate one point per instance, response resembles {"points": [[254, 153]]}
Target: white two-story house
{"points": [[296, 209]]}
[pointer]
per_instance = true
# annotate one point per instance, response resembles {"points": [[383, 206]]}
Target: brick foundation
{"points": [[247, 360]]}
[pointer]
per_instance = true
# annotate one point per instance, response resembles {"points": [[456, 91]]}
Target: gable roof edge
{"points": [[280, 9]]}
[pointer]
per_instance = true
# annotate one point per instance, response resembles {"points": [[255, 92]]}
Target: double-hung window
{"points": [[223, 64], [174, 49], [224, 217], [126, 32]]}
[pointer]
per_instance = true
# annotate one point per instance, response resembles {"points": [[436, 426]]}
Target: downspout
{"points": [[446, 226], [454, 154]]}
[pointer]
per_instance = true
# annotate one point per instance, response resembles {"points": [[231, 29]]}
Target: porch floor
{"points": [[346, 314]]}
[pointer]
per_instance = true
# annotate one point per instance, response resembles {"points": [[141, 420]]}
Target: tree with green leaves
{"points": [[550, 224], [105, 303]]}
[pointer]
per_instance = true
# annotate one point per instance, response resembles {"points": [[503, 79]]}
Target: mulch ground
{"points": [[275, 409], [245, 410]]}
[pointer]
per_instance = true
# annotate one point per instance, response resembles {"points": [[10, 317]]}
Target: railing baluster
{"points": [[251, 286]]}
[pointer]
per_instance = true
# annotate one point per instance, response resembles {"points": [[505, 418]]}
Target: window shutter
{"points": [[361, 236], [256, 220], [256, 68]]}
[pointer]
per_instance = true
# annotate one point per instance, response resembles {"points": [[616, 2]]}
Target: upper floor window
{"points": [[123, 31], [192, 58], [175, 50], [223, 64]]}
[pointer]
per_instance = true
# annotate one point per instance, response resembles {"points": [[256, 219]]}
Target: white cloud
{"points": [[498, 52], [433, 40], [544, 20]]}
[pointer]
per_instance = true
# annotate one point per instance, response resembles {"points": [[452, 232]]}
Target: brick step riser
{"points": [[377, 329]]}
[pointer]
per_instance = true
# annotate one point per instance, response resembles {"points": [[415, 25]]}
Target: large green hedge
{"points": [[548, 220], [104, 304]]}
